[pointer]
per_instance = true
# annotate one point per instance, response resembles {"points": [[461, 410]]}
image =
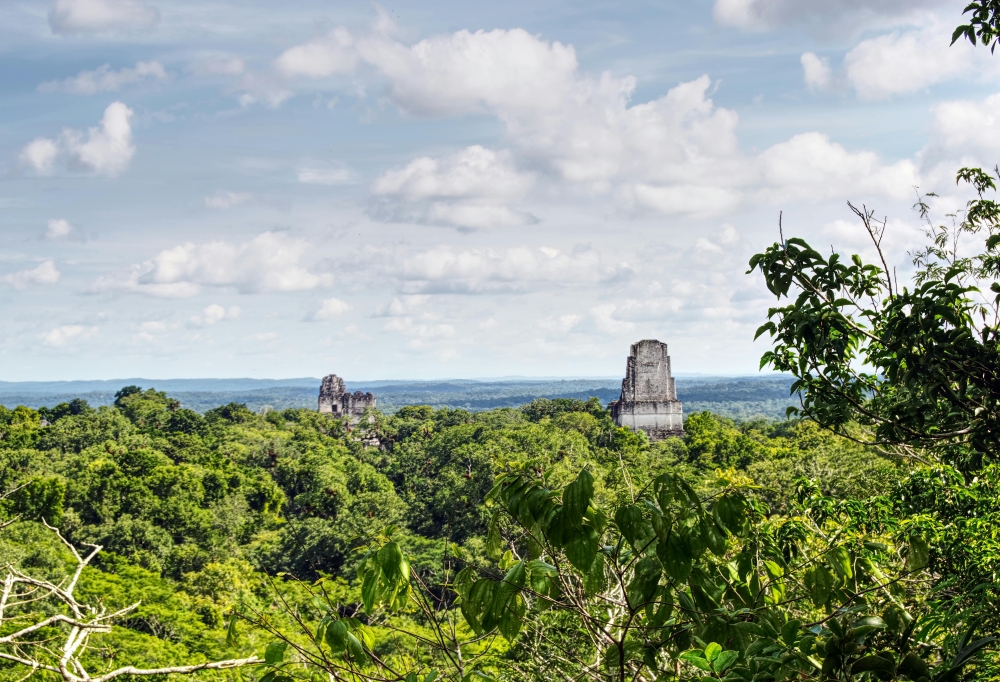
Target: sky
{"points": [[414, 190]]}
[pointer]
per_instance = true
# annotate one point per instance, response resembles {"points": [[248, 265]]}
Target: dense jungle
{"points": [[858, 539]]}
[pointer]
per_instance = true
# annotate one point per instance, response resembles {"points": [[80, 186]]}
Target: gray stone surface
{"points": [[649, 398], [334, 399]]}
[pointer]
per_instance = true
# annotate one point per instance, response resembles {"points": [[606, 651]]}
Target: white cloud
{"points": [[968, 127], [326, 174], [678, 154], [68, 333], [45, 273], [910, 61], [224, 199], [331, 308], [40, 155], [103, 79], [473, 172], [330, 55], [270, 262], [106, 150], [811, 166], [826, 15], [447, 269], [562, 324], [98, 16], [466, 72], [215, 313], [467, 189], [58, 229], [605, 321], [816, 71]]}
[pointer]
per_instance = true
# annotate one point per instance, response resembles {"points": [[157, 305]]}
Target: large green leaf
{"points": [[336, 636], [582, 548], [675, 555], [576, 498]]}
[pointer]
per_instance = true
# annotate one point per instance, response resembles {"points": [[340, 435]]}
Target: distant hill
{"points": [[737, 397]]}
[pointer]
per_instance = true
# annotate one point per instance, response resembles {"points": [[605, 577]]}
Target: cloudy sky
{"points": [[451, 189]]}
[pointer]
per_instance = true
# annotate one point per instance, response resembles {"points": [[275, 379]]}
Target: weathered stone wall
{"points": [[649, 397], [334, 399]]}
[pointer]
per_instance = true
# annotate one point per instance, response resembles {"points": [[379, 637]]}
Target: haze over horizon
{"points": [[419, 190]]}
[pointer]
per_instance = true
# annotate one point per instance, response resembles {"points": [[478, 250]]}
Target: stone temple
{"points": [[334, 399], [649, 399]]}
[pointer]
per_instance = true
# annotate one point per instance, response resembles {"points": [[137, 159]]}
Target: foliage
{"points": [[984, 24], [382, 562]]}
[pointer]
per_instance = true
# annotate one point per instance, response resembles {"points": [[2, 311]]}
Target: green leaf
{"points": [[918, 555], [629, 521], [820, 582], [840, 560], [576, 498], [913, 667], [336, 636], [712, 651], [696, 659], [873, 663], [355, 649], [275, 652], [724, 660], [581, 549], [675, 555], [476, 676], [369, 589], [790, 632], [714, 537], [232, 636], [595, 581]]}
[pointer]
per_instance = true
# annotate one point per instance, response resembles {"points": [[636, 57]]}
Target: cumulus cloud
{"points": [[58, 228], [828, 15], [677, 154], [331, 308], [99, 16], [909, 61], [468, 189], [104, 150], [270, 262], [816, 71], [45, 273], [104, 79], [67, 334], [40, 155], [811, 165], [215, 313], [333, 54], [224, 199], [965, 126]]}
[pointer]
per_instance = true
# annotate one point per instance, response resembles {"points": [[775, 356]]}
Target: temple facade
{"points": [[649, 399], [334, 399]]}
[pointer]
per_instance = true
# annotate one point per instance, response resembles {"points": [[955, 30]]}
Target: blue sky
{"points": [[418, 190]]}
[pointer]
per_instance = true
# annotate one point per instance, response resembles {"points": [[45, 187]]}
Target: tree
{"points": [[668, 584], [914, 371], [920, 366], [36, 612], [984, 24]]}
